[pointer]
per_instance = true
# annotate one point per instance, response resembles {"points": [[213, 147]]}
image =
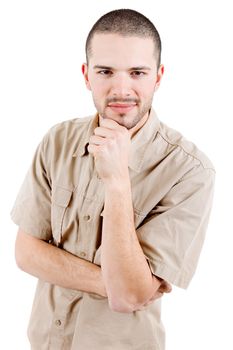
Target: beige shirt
{"points": [[62, 201]]}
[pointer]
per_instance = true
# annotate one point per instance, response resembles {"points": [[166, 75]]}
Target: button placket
{"points": [[87, 217], [58, 323]]}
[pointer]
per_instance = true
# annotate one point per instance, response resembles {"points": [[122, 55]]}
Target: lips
{"points": [[121, 107], [122, 104]]}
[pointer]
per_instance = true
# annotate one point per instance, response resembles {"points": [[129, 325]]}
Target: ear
{"points": [[85, 74], [159, 76]]}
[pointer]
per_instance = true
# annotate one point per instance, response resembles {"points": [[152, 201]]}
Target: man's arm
{"points": [[56, 266], [59, 267], [127, 276]]}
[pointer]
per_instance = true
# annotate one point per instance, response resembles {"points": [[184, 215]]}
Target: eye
{"points": [[138, 73], [104, 72]]}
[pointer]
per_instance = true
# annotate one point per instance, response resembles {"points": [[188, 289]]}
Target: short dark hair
{"points": [[125, 22]]}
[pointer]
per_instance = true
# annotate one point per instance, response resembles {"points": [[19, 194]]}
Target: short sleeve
{"points": [[173, 233], [32, 208]]}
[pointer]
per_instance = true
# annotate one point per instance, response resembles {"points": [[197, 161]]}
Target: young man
{"points": [[115, 206]]}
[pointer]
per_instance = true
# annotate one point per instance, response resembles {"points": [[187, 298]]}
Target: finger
{"points": [[104, 132], [165, 287], [96, 140], [156, 296], [111, 124], [92, 149]]}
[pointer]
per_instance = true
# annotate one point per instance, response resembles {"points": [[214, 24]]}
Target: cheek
{"points": [[98, 87], [146, 88], [98, 95], [146, 93]]}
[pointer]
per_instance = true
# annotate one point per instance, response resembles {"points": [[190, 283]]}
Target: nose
{"points": [[121, 86]]}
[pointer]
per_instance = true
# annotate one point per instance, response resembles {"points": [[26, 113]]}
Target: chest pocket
{"points": [[61, 198]]}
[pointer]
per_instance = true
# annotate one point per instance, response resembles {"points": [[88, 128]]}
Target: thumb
{"points": [[165, 287]]}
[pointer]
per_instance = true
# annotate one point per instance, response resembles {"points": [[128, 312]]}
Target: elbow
{"points": [[125, 304], [21, 249], [121, 306], [128, 300], [19, 258]]}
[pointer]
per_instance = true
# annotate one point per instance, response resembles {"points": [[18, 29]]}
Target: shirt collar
{"points": [[82, 148], [139, 142]]}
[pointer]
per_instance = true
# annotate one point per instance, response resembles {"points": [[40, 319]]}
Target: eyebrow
{"points": [[111, 68]]}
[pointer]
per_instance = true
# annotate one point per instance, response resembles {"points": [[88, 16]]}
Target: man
{"points": [[115, 207]]}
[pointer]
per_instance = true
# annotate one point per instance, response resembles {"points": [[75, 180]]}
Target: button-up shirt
{"points": [[62, 201]]}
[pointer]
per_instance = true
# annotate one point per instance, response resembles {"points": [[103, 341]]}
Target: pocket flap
{"points": [[61, 196]]}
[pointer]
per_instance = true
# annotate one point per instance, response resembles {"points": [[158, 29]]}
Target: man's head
{"points": [[125, 22], [123, 51]]}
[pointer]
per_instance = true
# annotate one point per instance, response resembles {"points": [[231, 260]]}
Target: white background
{"points": [[42, 49]]}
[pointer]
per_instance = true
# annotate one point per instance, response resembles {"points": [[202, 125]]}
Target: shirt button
{"points": [[83, 254], [58, 322], [86, 217]]}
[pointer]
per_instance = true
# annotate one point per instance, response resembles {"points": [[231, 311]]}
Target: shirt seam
{"points": [[190, 170], [189, 154]]}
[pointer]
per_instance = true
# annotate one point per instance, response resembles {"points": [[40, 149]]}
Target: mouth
{"points": [[122, 107]]}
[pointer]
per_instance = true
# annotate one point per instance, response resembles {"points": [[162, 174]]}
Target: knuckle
{"points": [[111, 141], [96, 130]]}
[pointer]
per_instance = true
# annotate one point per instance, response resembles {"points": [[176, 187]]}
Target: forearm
{"points": [[126, 274], [57, 266]]}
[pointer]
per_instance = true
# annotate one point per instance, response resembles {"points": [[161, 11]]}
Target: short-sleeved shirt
{"points": [[62, 201]]}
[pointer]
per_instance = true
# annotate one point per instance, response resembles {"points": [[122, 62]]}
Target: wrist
{"points": [[118, 184]]}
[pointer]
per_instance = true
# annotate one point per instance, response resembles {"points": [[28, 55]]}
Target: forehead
{"points": [[110, 49]]}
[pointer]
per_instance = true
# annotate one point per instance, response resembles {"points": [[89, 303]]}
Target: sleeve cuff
{"points": [[178, 278], [29, 228]]}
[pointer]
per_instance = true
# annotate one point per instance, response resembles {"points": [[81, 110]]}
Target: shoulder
{"points": [[67, 133], [63, 140], [70, 127], [185, 148]]}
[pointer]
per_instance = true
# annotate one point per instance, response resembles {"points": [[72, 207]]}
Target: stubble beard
{"points": [[128, 124]]}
